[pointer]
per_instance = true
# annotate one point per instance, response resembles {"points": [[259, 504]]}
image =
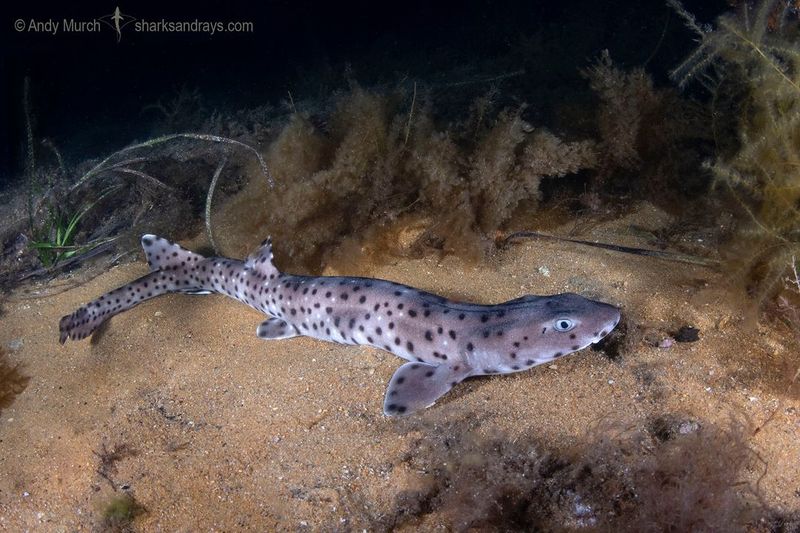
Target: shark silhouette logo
{"points": [[117, 21]]}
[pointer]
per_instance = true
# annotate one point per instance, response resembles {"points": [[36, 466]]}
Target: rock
{"points": [[666, 427], [688, 426], [15, 344], [687, 334]]}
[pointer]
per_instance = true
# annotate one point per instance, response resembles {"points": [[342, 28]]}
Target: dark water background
{"points": [[88, 92]]}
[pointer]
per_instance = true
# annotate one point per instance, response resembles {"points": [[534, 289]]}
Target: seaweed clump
{"points": [[622, 479], [380, 156], [12, 381], [651, 141], [391, 169], [750, 63], [120, 512]]}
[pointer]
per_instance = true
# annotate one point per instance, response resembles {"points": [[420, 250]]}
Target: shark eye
{"points": [[563, 324]]}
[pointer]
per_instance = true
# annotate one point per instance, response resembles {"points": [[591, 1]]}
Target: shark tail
{"points": [[173, 269]]}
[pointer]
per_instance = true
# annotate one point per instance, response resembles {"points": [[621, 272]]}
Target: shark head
{"points": [[569, 322]]}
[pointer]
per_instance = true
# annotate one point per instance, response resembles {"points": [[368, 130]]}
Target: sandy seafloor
{"points": [[217, 430]]}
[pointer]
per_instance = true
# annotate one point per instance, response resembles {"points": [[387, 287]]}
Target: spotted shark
{"points": [[445, 341]]}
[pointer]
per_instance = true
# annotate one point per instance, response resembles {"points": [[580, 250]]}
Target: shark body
{"points": [[445, 341]]}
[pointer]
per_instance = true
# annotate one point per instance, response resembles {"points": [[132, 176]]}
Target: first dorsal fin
{"points": [[164, 255], [261, 260]]}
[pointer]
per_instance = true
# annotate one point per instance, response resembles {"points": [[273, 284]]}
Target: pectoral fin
{"points": [[275, 328], [416, 386]]}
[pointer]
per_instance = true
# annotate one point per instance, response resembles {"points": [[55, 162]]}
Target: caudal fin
{"points": [[173, 271], [88, 318]]}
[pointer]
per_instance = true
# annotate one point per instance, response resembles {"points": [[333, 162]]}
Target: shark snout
{"points": [[608, 318]]}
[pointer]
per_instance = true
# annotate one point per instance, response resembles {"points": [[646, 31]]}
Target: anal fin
{"points": [[415, 386], [276, 328]]}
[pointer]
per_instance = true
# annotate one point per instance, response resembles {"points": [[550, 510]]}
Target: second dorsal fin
{"points": [[261, 260]]}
